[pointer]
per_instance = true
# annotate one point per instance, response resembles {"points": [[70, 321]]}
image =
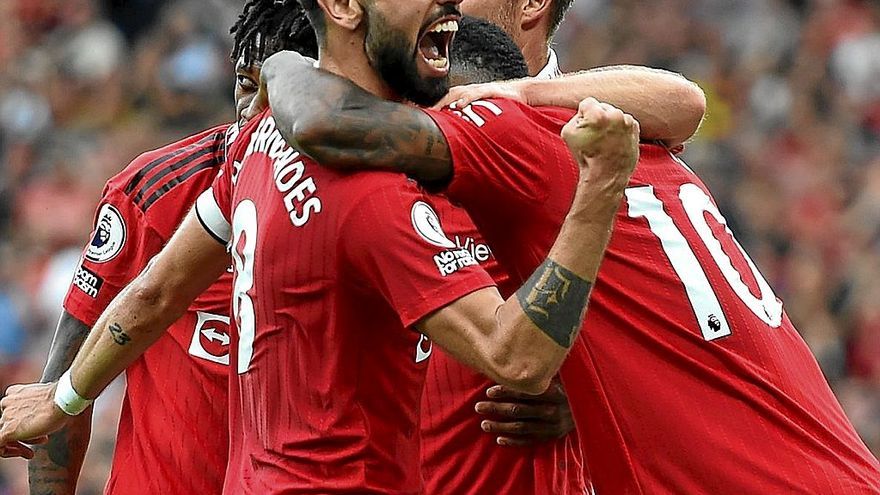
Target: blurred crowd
{"points": [[791, 149]]}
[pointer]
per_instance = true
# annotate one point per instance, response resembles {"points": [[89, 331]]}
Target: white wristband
{"points": [[67, 399]]}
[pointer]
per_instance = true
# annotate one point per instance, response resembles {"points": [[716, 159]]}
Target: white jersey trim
{"points": [[211, 217], [551, 70]]}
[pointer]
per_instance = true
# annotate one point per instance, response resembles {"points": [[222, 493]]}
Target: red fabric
{"points": [[173, 424], [661, 410], [329, 401], [458, 456]]}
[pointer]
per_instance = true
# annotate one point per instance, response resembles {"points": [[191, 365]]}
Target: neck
{"points": [[537, 53], [347, 59]]}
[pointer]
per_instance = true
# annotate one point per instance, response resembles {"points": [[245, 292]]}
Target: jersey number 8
{"points": [[244, 241]]}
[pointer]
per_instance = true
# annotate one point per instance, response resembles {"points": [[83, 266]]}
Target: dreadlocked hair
{"points": [[269, 26]]}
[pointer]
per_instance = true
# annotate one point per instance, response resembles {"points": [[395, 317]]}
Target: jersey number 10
{"points": [[643, 202]]}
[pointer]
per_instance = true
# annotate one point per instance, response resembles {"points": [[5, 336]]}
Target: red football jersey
{"points": [[458, 457], [688, 377], [173, 424], [331, 272]]}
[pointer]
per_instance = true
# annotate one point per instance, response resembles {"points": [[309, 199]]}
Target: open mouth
{"points": [[434, 44]]}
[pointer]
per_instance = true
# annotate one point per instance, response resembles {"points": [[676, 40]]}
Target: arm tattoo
{"points": [[342, 126], [55, 466], [555, 299], [118, 334]]}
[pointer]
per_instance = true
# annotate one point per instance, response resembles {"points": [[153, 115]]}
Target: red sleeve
{"points": [[396, 241], [503, 145], [120, 246]]}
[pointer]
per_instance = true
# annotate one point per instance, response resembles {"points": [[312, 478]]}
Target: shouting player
{"points": [[175, 408], [456, 457], [333, 271], [688, 376]]}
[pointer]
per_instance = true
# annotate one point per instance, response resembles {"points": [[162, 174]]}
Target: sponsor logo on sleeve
{"points": [[426, 222], [87, 281], [427, 225], [211, 338], [109, 237]]}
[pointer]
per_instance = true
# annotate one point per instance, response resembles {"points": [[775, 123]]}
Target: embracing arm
{"points": [[135, 319], [55, 468], [668, 106], [522, 342], [339, 124]]}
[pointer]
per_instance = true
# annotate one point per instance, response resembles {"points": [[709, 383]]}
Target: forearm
{"points": [[340, 125], [55, 468], [133, 321], [190, 262], [669, 107], [523, 341]]}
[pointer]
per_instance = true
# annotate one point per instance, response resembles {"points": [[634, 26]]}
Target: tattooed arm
{"points": [[340, 125], [522, 342], [135, 319], [55, 468]]}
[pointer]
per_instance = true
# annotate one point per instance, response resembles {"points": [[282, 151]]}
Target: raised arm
{"points": [[56, 465], [668, 106], [135, 319], [522, 342]]}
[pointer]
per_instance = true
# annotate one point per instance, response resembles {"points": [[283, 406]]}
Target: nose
{"points": [[454, 3]]}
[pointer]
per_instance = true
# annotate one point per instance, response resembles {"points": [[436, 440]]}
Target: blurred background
{"points": [[790, 148]]}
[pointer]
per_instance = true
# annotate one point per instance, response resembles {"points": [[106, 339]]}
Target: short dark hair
{"points": [[483, 52], [557, 14], [268, 26]]}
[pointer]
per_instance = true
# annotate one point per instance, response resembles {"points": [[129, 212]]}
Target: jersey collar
{"points": [[551, 70]]}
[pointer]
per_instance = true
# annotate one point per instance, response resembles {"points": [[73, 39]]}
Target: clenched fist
{"points": [[603, 139]]}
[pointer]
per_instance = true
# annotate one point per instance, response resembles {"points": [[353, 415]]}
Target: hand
{"points": [[279, 62], [463, 96], [526, 419], [28, 414], [604, 140]]}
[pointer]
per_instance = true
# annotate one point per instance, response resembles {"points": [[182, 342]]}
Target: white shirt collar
{"points": [[551, 70]]}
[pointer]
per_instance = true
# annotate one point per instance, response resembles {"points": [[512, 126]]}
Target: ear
{"points": [[347, 14], [535, 12]]}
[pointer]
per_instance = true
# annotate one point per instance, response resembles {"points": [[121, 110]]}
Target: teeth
{"points": [[443, 27], [439, 63]]}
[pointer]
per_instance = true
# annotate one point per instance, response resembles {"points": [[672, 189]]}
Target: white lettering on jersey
{"points": [[481, 252], [300, 193], [470, 114]]}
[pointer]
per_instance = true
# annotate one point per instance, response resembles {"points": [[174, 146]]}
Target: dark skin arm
{"points": [[55, 468], [518, 419]]}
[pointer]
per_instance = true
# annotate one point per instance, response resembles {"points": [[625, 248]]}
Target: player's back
{"points": [[688, 377], [327, 282], [174, 415], [694, 378]]}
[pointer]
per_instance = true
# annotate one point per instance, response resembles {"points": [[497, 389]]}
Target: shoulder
{"points": [[153, 173]]}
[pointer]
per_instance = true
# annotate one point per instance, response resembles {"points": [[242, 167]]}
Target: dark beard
{"points": [[389, 53]]}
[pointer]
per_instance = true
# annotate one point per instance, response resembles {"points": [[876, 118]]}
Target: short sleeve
{"points": [[503, 145], [397, 239], [120, 246]]}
